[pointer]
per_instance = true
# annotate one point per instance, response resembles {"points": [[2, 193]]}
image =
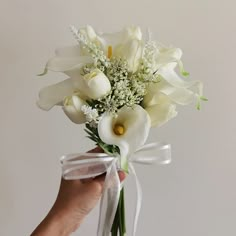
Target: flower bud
{"points": [[95, 84], [72, 108]]}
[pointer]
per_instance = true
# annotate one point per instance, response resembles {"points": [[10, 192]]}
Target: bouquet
{"points": [[120, 85]]}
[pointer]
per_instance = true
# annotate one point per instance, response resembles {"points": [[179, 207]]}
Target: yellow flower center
{"points": [[119, 129], [109, 52]]}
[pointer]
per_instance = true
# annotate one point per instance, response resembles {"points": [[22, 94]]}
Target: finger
{"points": [[85, 181], [96, 150], [122, 175]]}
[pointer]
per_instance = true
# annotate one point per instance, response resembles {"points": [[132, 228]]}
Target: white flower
{"points": [[72, 108], [160, 109], [128, 130], [90, 113], [177, 89], [54, 94], [126, 44], [92, 86], [157, 56], [161, 97], [67, 60], [95, 84]]}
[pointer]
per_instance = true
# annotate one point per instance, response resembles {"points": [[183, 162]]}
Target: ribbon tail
{"points": [[109, 200], [138, 199]]}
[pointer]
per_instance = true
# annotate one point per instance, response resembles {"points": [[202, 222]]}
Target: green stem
{"points": [[114, 229], [119, 220], [123, 210]]}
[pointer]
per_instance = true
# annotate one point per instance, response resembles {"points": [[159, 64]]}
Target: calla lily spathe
{"points": [[126, 44], [162, 97], [54, 94], [128, 130], [180, 91], [161, 110]]}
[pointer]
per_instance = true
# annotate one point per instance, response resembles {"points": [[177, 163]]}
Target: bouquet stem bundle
{"points": [[119, 224]]}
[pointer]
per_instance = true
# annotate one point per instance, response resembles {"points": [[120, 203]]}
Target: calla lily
{"points": [[92, 86], [178, 90], [165, 55], [160, 110], [161, 97], [128, 130], [126, 44], [162, 56], [66, 60], [72, 108], [54, 94]]}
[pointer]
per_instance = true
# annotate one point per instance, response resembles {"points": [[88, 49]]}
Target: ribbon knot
{"points": [[89, 165]]}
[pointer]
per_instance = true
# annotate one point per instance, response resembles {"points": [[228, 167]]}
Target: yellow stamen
{"points": [[119, 129], [109, 52]]}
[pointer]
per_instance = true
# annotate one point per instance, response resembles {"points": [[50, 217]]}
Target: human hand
{"points": [[74, 201]]}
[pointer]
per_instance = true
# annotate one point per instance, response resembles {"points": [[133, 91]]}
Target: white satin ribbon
{"points": [[89, 165]]}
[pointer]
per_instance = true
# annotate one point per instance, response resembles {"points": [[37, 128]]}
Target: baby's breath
{"points": [[126, 90], [91, 115], [91, 47], [90, 67], [146, 72]]}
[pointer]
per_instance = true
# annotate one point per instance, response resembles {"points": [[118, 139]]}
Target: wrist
{"points": [[63, 222], [56, 223]]}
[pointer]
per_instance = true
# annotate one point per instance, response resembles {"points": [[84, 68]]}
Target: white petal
{"points": [[137, 124], [120, 38], [114, 39], [78, 102], [97, 87], [54, 94], [89, 32], [62, 64], [161, 113], [168, 55], [132, 52], [105, 130], [74, 115], [180, 91], [154, 96]]}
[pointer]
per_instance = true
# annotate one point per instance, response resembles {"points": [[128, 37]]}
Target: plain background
{"points": [[193, 196]]}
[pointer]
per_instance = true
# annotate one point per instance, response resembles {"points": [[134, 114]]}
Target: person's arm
{"points": [[74, 201]]}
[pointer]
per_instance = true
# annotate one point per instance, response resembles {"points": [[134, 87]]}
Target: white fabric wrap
{"points": [[89, 165]]}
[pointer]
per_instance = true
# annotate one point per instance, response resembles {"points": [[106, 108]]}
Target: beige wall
{"points": [[193, 196]]}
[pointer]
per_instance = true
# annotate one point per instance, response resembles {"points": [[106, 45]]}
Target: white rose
{"points": [[72, 108], [95, 84]]}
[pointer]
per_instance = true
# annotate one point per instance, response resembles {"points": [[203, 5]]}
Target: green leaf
{"points": [[185, 73], [182, 70], [203, 98], [198, 106]]}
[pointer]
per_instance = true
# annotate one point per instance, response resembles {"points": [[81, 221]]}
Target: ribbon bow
{"points": [[89, 165]]}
